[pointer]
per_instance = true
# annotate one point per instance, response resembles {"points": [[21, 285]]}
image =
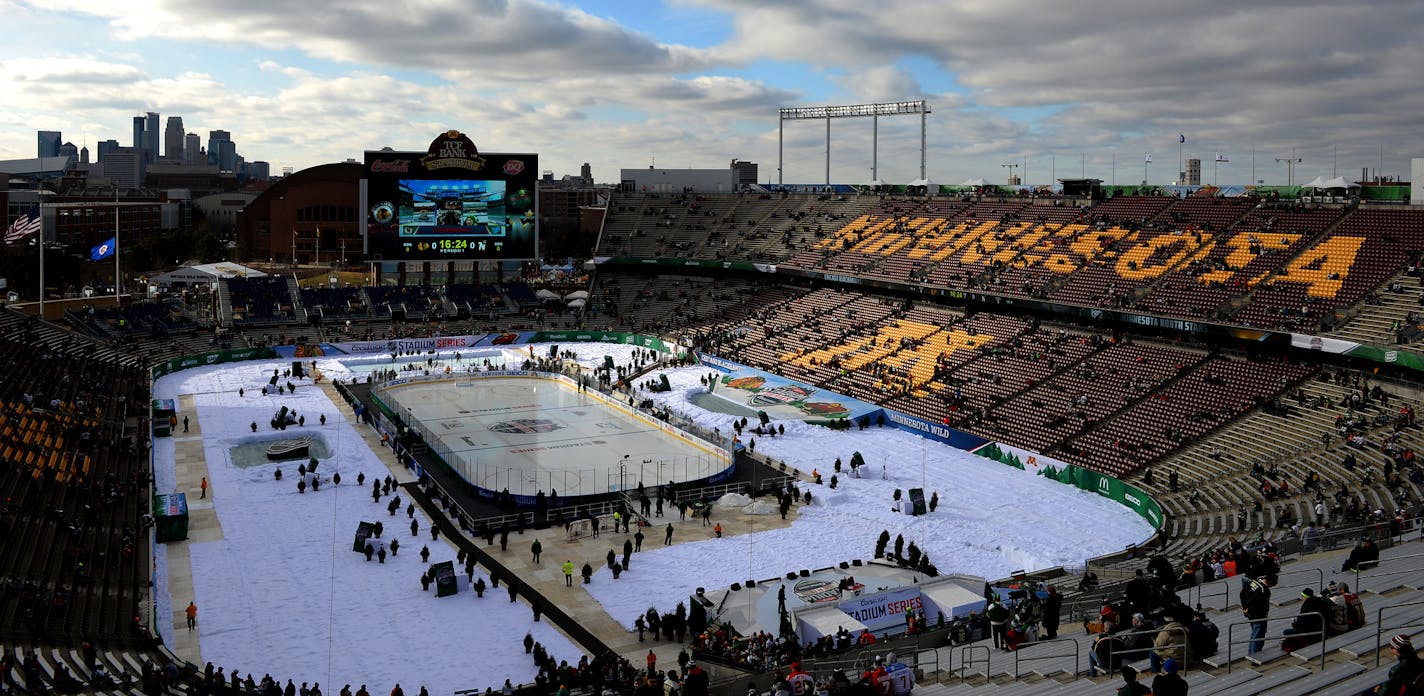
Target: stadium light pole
{"points": [[1290, 163], [1011, 168], [873, 111], [118, 277]]}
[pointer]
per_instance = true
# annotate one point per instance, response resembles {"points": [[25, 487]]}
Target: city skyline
{"points": [[1058, 91]]}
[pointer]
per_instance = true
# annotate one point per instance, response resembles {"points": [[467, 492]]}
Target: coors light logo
{"points": [[452, 150]]}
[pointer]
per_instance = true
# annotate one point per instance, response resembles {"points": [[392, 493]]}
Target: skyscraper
{"points": [[105, 147], [222, 151], [137, 133], [124, 166], [150, 137], [48, 144], [139, 139], [173, 139], [192, 149]]}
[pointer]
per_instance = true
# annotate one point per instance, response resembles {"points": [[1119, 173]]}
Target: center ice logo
{"points": [[527, 426]]}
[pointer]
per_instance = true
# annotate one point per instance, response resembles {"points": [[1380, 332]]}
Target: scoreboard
{"points": [[450, 202]]}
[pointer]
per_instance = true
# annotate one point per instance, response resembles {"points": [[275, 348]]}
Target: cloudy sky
{"points": [[1057, 88]]}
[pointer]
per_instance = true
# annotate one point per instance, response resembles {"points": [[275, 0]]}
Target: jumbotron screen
{"points": [[450, 202]]}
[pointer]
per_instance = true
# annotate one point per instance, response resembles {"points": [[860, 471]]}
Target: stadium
{"points": [[1129, 395]]}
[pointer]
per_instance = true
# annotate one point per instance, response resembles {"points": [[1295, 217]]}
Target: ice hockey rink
{"points": [[528, 434]]}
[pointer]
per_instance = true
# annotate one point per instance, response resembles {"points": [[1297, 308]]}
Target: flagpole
{"points": [[42, 314], [117, 277]]}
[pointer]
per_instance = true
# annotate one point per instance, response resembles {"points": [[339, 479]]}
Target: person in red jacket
{"points": [[802, 684], [880, 679]]}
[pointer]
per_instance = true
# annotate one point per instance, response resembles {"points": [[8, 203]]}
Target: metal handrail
{"points": [[1328, 541], [1360, 574], [1077, 654], [1185, 645], [1324, 625], [1319, 585], [965, 660], [1379, 625]]}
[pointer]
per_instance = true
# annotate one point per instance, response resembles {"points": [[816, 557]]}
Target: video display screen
{"points": [[475, 207]]}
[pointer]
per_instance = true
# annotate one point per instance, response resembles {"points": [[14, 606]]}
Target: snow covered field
{"points": [[282, 593]]}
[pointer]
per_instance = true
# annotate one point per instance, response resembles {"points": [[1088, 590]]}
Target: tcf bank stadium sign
{"points": [[452, 149]]}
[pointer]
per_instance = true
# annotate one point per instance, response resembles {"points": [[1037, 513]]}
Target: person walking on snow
{"points": [[204, 487], [192, 613]]}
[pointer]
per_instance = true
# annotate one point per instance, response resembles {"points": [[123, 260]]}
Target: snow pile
{"points": [[734, 500], [761, 507]]}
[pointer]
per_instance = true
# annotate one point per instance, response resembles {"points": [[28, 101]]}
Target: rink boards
{"points": [[533, 431]]}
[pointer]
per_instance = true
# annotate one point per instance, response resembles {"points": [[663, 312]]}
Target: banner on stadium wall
{"points": [[1376, 353], [1402, 358], [507, 338], [684, 264], [780, 397], [1107, 486], [885, 610], [216, 357], [640, 340], [935, 431], [406, 345]]}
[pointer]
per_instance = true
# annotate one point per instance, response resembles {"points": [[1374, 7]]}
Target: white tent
{"points": [[975, 182], [546, 294], [577, 295], [1316, 183], [577, 303], [929, 184], [1336, 183], [205, 273], [877, 183]]}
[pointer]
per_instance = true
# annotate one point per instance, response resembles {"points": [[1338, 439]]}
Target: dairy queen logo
{"points": [[526, 426], [513, 167]]}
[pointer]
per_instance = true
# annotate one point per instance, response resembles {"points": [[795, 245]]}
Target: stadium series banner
{"points": [[883, 611]]}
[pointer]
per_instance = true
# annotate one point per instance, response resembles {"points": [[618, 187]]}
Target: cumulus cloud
{"points": [[510, 38], [1272, 74], [1088, 80]]}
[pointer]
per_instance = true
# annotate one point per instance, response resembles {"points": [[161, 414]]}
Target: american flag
{"points": [[24, 226]]}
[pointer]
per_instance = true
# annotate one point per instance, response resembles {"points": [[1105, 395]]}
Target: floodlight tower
{"points": [[1011, 168], [1290, 163], [874, 111]]}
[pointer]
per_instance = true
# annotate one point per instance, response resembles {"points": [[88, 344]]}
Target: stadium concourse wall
{"points": [[493, 340], [216, 357]]}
